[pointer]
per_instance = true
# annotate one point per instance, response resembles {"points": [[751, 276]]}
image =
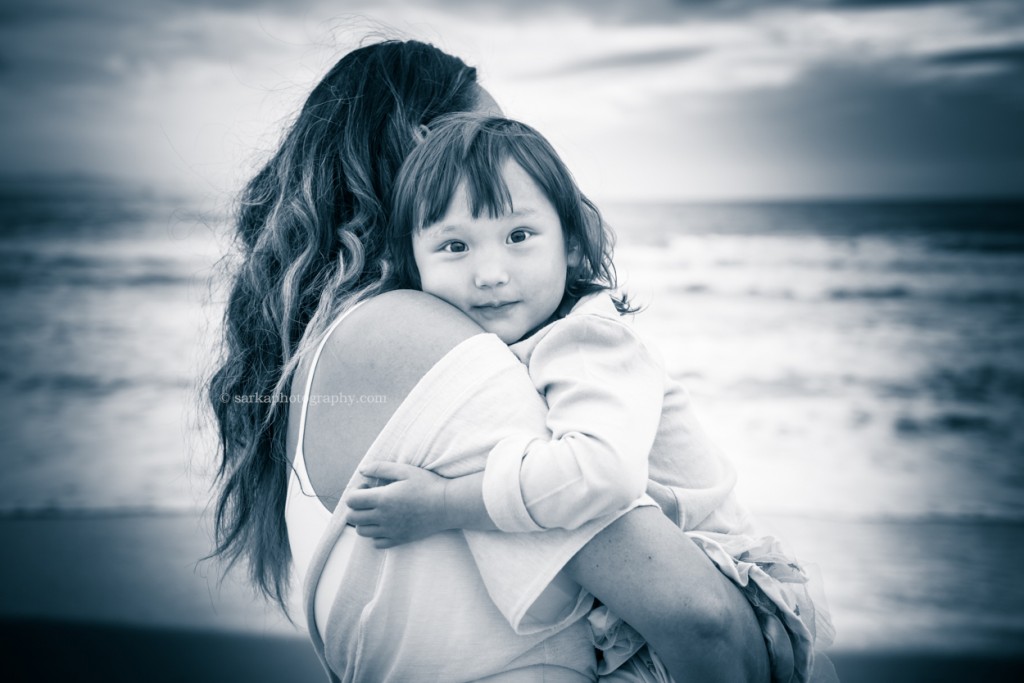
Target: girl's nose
{"points": [[491, 273]]}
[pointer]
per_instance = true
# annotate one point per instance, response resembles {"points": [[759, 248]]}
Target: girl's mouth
{"points": [[495, 308]]}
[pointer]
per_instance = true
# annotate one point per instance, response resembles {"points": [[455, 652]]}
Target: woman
{"points": [[312, 234]]}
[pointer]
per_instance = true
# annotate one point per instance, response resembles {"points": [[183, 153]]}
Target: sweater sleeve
{"points": [[604, 392], [695, 504]]}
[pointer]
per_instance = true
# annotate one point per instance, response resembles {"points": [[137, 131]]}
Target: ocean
{"points": [[860, 363], [857, 361], [108, 319]]}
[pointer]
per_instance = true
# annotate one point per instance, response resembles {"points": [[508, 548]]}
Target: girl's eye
{"points": [[519, 235], [454, 247]]}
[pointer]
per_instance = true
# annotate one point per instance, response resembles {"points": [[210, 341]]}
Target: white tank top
{"points": [[307, 518]]}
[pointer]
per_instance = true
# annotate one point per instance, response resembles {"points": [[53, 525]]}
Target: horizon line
{"points": [[8, 179]]}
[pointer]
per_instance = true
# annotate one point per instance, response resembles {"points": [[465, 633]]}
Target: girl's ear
{"points": [[574, 256]]}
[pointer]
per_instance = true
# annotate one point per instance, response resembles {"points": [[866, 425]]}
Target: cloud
{"points": [[674, 11], [155, 88], [1011, 56], [876, 4], [628, 60], [840, 131], [63, 42]]}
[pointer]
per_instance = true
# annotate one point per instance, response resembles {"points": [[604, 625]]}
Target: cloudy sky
{"points": [[646, 99]]}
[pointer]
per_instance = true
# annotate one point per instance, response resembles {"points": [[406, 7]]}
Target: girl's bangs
{"points": [[477, 162]]}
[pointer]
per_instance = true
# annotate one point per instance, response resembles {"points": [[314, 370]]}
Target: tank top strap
{"points": [[299, 462]]}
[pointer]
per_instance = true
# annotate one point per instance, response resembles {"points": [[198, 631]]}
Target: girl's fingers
{"points": [[369, 531], [362, 499], [361, 518], [384, 543], [390, 471]]}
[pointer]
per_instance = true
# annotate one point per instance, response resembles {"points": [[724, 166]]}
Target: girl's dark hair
{"points": [[472, 148], [311, 230]]}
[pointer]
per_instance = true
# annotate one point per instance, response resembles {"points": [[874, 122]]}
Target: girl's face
{"points": [[506, 273]]}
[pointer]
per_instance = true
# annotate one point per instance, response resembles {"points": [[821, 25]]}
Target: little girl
{"points": [[487, 217]]}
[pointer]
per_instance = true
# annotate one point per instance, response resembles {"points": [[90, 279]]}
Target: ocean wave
{"points": [[956, 422], [102, 282], [790, 294], [90, 385], [985, 296], [692, 288], [704, 289], [790, 385], [844, 293], [51, 510], [952, 296], [88, 207], [27, 269], [956, 296], [144, 280], [983, 383], [990, 245], [966, 517]]}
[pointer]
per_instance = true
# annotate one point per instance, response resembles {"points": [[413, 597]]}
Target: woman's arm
{"points": [[657, 580]]}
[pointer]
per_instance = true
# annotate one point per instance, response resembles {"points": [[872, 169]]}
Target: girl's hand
{"points": [[410, 507]]}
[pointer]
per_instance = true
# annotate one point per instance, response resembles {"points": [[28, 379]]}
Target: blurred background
{"points": [[821, 205]]}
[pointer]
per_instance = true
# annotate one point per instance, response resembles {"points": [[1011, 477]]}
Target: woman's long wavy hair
{"points": [[311, 235]]}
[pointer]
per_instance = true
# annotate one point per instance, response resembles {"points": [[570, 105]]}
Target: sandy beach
{"points": [[123, 598], [126, 597], [71, 651]]}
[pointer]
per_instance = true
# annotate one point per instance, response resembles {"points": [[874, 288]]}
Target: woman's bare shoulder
{"points": [[408, 323], [402, 307], [393, 339], [370, 363]]}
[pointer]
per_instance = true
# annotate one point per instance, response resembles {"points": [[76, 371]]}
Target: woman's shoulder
{"points": [[402, 332], [370, 363], [407, 319], [401, 309]]}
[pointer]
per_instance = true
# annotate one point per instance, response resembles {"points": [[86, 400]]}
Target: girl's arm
{"points": [[414, 504], [418, 503], [604, 392]]}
